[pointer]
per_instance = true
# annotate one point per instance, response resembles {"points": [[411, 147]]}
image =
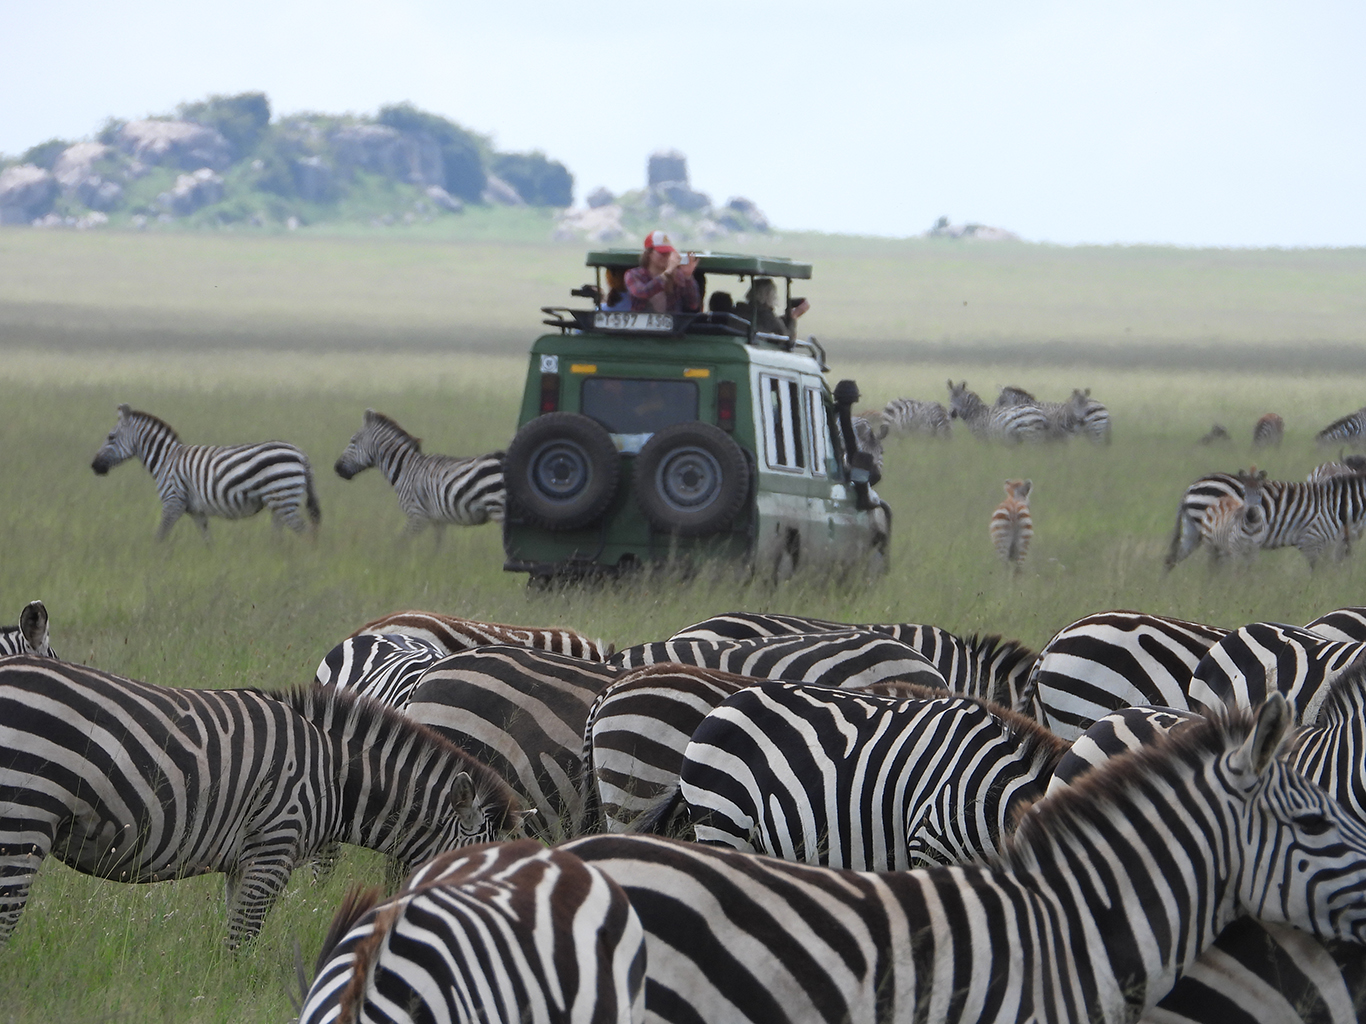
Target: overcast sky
{"points": [[1197, 122]]}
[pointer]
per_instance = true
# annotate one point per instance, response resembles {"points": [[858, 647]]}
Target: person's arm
{"points": [[642, 286]]}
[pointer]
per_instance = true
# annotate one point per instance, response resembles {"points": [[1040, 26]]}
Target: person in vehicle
{"points": [[759, 303], [618, 299], [663, 282]]}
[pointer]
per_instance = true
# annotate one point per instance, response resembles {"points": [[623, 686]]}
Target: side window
{"points": [[784, 438], [822, 446]]}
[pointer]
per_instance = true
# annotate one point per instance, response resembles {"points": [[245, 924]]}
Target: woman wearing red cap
{"points": [[662, 282]]}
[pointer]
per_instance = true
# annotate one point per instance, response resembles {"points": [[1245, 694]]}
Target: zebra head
{"points": [[964, 404], [378, 437], [121, 444], [1304, 860]]}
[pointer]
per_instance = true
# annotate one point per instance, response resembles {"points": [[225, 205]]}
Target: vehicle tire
{"points": [[561, 471], [691, 479]]}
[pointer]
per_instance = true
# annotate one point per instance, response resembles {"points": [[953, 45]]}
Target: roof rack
{"points": [[712, 263]]}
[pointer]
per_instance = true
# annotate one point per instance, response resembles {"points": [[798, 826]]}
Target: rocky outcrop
{"points": [[74, 171], [600, 196], [667, 183], [740, 214], [379, 149], [943, 229], [26, 192], [314, 181], [443, 200], [499, 193], [666, 165], [192, 192], [596, 224], [175, 144]]}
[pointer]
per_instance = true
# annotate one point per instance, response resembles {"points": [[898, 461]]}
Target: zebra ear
{"points": [[370, 415], [462, 796], [33, 625], [124, 410], [883, 432], [1258, 750]]}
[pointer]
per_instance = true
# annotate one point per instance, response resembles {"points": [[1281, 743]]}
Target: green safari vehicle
{"points": [[648, 437]]}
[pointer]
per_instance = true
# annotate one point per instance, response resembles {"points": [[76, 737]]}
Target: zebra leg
{"points": [[325, 862], [253, 886], [19, 863], [171, 510]]}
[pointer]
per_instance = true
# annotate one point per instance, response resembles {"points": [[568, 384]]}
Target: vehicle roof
{"points": [[712, 263]]}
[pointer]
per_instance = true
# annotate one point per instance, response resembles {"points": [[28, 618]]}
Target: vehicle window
{"points": [[634, 406], [783, 435], [822, 448]]}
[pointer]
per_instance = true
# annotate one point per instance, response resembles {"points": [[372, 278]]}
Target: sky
{"points": [[1188, 122]]}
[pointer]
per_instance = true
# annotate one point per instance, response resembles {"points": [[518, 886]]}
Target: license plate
{"points": [[634, 321]]}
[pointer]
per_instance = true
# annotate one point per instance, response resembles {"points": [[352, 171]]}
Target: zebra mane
{"points": [[1004, 655], [1094, 794], [358, 901], [385, 421], [338, 711], [147, 417]]}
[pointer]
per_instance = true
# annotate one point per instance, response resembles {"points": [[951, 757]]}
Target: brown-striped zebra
{"points": [[1269, 431], [1012, 527]]}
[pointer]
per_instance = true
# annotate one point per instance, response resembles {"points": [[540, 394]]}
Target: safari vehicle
{"points": [[645, 437]]}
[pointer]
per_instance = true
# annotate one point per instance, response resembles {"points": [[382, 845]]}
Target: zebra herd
{"points": [[1150, 819], [237, 481], [1016, 417]]}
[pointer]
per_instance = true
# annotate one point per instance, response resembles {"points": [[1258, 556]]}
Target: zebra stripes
{"points": [[1014, 424], [1062, 421], [232, 482], [858, 781], [384, 667], [1090, 416], [512, 933], [1112, 660], [432, 490], [910, 416], [140, 783], [454, 634], [1098, 903], [30, 636], [1269, 431], [1011, 526], [1350, 429], [522, 712], [1343, 624], [1352, 465], [1195, 503], [849, 658]]}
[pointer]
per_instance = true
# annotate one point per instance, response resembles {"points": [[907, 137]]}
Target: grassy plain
{"points": [[241, 338]]}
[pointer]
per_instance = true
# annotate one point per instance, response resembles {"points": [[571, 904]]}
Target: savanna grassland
{"points": [[236, 338]]}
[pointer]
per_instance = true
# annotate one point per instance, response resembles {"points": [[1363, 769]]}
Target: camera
{"points": [[683, 258], [794, 303], [588, 291]]}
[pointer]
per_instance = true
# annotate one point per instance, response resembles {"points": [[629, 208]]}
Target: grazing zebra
{"points": [[383, 667], [1113, 660], [1091, 416], [1013, 424], [522, 712], [1351, 465], [1351, 430], [848, 658], [858, 781], [1269, 431], [1061, 416], [432, 489], [1198, 498], [911, 416], [508, 933], [1217, 434], [30, 636], [1011, 526], [231, 481], [140, 783], [1343, 624], [986, 666], [1097, 904], [453, 634]]}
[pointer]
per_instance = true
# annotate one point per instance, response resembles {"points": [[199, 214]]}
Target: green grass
{"points": [[234, 339]]}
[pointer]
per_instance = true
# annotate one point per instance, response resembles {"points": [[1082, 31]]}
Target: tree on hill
{"points": [[241, 119], [462, 151], [538, 180]]}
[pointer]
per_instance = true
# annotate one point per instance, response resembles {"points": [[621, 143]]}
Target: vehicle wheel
{"points": [[561, 471], [691, 480]]}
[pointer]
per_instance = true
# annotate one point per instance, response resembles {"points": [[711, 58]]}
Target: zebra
{"points": [[912, 416], [452, 634], [848, 658], [30, 636], [1218, 434], [853, 780], [1013, 424], [1315, 518], [1269, 431], [1097, 904], [522, 712], [140, 783], [1061, 416], [432, 490], [385, 667], [1111, 660], [975, 666], [869, 439], [1350, 429], [1350, 465], [1011, 526], [231, 481], [1233, 528], [1196, 501], [507, 933], [1343, 624], [1091, 416]]}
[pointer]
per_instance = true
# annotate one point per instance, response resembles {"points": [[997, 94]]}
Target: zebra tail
{"points": [[658, 819], [1185, 540], [315, 511], [358, 900], [367, 959]]}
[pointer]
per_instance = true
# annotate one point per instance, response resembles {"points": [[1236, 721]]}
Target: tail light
{"points": [[550, 392], [725, 405]]}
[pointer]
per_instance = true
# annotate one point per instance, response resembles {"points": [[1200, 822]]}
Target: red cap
{"points": [[658, 241]]}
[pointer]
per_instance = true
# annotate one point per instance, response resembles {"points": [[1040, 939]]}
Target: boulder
{"points": [[98, 194], [176, 144], [667, 165], [596, 224], [75, 163], [943, 229], [191, 192], [26, 193], [741, 214], [443, 200], [498, 192], [678, 195], [314, 181], [599, 197], [379, 149]]}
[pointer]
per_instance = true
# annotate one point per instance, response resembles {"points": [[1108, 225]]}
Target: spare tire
{"points": [[691, 479], [561, 471]]}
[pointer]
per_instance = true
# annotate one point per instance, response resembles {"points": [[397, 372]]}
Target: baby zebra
{"points": [[233, 481], [1012, 527], [30, 636], [1096, 906], [1269, 431], [509, 933], [140, 783], [435, 489]]}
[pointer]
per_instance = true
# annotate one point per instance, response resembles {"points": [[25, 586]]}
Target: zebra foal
{"points": [[140, 783], [432, 490], [232, 481], [508, 933], [30, 636], [1011, 526], [1096, 906]]}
